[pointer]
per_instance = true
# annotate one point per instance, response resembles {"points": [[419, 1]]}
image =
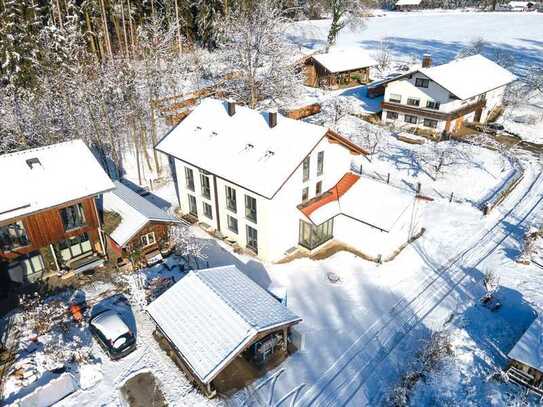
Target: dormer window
{"points": [[422, 83]]}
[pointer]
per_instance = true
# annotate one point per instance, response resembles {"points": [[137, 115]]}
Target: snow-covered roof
{"points": [[242, 148], [408, 2], [470, 76], [364, 199], [50, 393], [211, 315], [44, 177], [346, 59], [135, 212], [529, 348], [522, 4]]}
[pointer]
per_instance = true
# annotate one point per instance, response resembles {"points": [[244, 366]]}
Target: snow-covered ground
{"points": [[442, 34], [525, 118]]}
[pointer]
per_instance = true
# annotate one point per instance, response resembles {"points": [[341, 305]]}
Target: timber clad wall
{"points": [[160, 230], [46, 227]]}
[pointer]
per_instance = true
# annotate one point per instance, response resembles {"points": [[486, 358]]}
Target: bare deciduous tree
{"points": [[345, 13], [383, 55], [256, 55]]}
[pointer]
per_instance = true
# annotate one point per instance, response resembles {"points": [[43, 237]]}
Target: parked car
{"points": [[112, 334]]}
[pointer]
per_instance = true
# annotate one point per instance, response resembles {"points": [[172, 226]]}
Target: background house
{"points": [[48, 215], [521, 5], [212, 316], [135, 227], [408, 5], [338, 68], [442, 98]]}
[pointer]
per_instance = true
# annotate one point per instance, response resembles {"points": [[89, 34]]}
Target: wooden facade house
{"points": [[193, 315], [140, 229], [48, 215], [338, 69]]}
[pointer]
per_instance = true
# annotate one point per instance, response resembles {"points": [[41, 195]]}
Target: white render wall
{"points": [[277, 219], [406, 89]]}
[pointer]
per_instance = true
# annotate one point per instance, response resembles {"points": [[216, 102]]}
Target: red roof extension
{"points": [[334, 193]]}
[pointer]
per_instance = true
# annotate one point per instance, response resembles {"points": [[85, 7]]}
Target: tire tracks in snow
{"points": [[346, 376]]}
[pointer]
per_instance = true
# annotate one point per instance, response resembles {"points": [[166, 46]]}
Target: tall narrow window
{"points": [[206, 189], [208, 212], [305, 194], [320, 163], [311, 236], [73, 216], [189, 178], [231, 203], [250, 208], [13, 236], [252, 239], [306, 168], [232, 224], [193, 209], [318, 188]]}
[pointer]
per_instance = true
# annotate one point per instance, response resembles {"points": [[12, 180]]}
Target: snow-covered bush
{"points": [[434, 350]]}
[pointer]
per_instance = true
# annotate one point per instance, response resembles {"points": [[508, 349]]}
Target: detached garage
{"points": [[212, 316]]}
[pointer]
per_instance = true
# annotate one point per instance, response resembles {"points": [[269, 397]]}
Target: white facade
{"points": [[277, 220], [431, 98], [280, 171]]}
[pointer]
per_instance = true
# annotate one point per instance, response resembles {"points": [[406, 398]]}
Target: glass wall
{"points": [[311, 236]]}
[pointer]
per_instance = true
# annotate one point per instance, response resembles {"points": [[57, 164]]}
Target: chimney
{"points": [[426, 61], [272, 119], [231, 107]]}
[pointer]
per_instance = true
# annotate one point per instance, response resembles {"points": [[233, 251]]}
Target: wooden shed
{"points": [[338, 69], [137, 229], [211, 317]]}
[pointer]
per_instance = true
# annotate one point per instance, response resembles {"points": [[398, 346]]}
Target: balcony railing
{"points": [[433, 114]]}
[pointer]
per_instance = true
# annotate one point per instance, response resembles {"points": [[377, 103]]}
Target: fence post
{"points": [[451, 198], [418, 187], [388, 178]]}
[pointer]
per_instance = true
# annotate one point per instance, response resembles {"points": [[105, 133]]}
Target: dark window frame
{"points": [[193, 205], [13, 236], [306, 165], [205, 185], [232, 224], [189, 179], [252, 241], [231, 199], [433, 123], [432, 104], [392, 99], [305, 194], [320, 163], [73, 217], [394, 114], [207, 207], [405, 119], [318, 188], [250, 208], [422, 83], [413, 102]]}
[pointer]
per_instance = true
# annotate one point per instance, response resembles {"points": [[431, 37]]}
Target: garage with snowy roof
{"points": [[212, 316]]}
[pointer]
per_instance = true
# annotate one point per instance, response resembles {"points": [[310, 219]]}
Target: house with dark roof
{"points": [[136, 228], [211, 317]]}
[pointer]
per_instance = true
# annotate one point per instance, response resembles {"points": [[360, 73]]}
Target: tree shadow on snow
{"points": [[496, 332]]}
